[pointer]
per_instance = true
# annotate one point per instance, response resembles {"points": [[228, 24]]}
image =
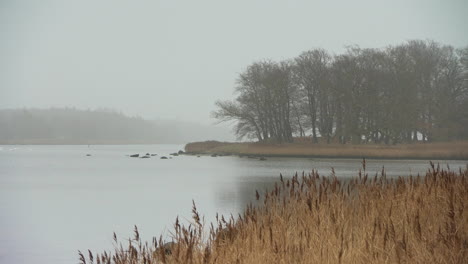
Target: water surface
{"points": [[55, 200]]}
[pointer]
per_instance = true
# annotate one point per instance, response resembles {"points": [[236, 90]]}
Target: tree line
{"points": [[415, 91], [101, 126]]}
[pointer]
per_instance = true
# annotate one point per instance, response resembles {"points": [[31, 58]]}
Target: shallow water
{"points": [[55, 200]]}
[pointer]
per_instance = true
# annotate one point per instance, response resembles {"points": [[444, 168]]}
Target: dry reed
{"points": [[441, 150], [314, 219]]}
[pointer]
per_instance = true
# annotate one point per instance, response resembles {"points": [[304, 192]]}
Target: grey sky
{"points": [[173, 59]]}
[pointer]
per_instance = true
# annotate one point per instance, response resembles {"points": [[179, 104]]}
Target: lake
{"points": [[55, 200]]}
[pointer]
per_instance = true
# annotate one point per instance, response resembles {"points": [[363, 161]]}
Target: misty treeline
{"points": [[101, 126], [400, 94], [69, 125]]}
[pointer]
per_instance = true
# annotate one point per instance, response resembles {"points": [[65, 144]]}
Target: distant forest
{"points": [[416, 91], [73, 126]]}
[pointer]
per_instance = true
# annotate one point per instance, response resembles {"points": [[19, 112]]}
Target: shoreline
{"points": [[257, 156], [418, 151]]}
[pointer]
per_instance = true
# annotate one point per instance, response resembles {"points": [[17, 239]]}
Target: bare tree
{"points": [[418, 89], [312, 77]]}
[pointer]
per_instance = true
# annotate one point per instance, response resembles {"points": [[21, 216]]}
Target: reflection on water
{"points": [[253, 175], [243, 193], [57, 199]]}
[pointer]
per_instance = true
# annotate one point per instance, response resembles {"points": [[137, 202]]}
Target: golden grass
{"points": [[446, 150], [314, 219]]}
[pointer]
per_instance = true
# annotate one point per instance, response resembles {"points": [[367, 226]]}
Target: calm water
{"points": [[55, 200]]}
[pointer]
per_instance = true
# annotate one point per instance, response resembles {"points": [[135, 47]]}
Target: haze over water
{"points": [[55, 200]]}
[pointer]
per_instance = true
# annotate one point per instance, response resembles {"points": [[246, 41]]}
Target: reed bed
{"points": [[314, 219]]}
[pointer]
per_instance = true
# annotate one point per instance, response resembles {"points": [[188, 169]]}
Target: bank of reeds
{"points": [[426, 151], [314, 219]]}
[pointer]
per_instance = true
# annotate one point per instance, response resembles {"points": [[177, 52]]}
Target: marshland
{"points": [[310, 218]]}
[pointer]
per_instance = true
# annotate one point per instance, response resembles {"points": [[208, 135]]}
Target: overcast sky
{"points": [[174, 59]]}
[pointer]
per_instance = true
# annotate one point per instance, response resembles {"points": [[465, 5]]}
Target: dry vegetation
{"points": [[314, 219], [205, 146], [446, 150]]}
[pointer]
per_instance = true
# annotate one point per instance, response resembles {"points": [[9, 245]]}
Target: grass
{"points": [[446, 150], [313, 219]]}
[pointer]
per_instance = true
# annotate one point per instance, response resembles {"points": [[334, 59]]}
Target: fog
{"points": [[172, 60], [73, 126]]}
